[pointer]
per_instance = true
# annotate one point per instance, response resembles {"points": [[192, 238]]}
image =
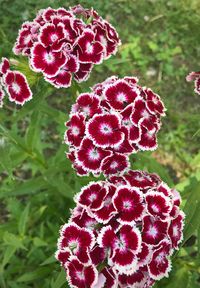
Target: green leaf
{"points": [[33, 131], [37, 274], [31, 186], [49, 260], [192, 209], [23, 220], [198, 241], [181, 278], [5, 162], [13, 240], [60, 281], [9, 252], [39, 242]]}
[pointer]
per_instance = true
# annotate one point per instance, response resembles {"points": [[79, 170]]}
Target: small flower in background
{"points": [[122, 232], [64, 44], [195, 76], [117, 118], [14, 83]]}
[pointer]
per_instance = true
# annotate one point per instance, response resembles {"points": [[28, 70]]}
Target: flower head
{"points": [[194, 76], [14, 84], [117, 118], [64, 44], [121, 234]]}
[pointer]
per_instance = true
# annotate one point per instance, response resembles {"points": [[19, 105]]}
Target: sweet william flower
{"points": [[194, 76], [121, 233], [119, 118], [14, 84], [57, 35]]}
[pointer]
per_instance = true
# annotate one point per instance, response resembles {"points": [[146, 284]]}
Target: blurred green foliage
{"points": [[160, 45]]}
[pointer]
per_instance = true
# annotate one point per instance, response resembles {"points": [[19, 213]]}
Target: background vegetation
{"points": [[160, 45]]}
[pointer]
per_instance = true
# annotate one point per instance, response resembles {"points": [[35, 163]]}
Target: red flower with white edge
{"points": [[120, 94], [197, 86], [51, 34], [76, 130], [83, 73], [154, 230], [100, 36], [134, 131], [121, 127], [175, 230], [80, 275], [108, 279], [192, 76], [115, 164], [83, 220], [136, 279], [63, 255], [107, 211], [163, 188], [123, 247], [56, 34], [142, 179], [47, 61], [176, 197], [104, 130], [144, 256], [26, 37], [98, 255], [92, 196], [87, 104], [90, 156], [49, 13], [89, 50], [129, 204], [4, 66], [131, 80], [158, 204], [79, 169], [111, 32], [195, 76], [141, 116], [126, 147], [160, 265], [17, 87], [153, 102], [77, 240], [63, 78], [148, 141], [127, 250]]}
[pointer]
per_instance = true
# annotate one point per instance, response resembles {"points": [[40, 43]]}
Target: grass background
{"points": [[160, 45]]}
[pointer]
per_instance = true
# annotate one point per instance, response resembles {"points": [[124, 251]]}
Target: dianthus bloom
{"points": [[122, 232], [117, 118], [63, 43], [14, 83], [195, 76]]}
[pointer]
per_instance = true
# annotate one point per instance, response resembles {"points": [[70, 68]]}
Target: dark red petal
{"points": [[120, 94], [154, 231], [104, 130], [17, 87], [92, 196], [128, 202], [115, 164]]}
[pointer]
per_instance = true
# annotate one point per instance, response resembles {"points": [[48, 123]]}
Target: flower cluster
{"points": [[122, 232], [14, 83], [195, 76], [61, 43], [117, 118]]}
